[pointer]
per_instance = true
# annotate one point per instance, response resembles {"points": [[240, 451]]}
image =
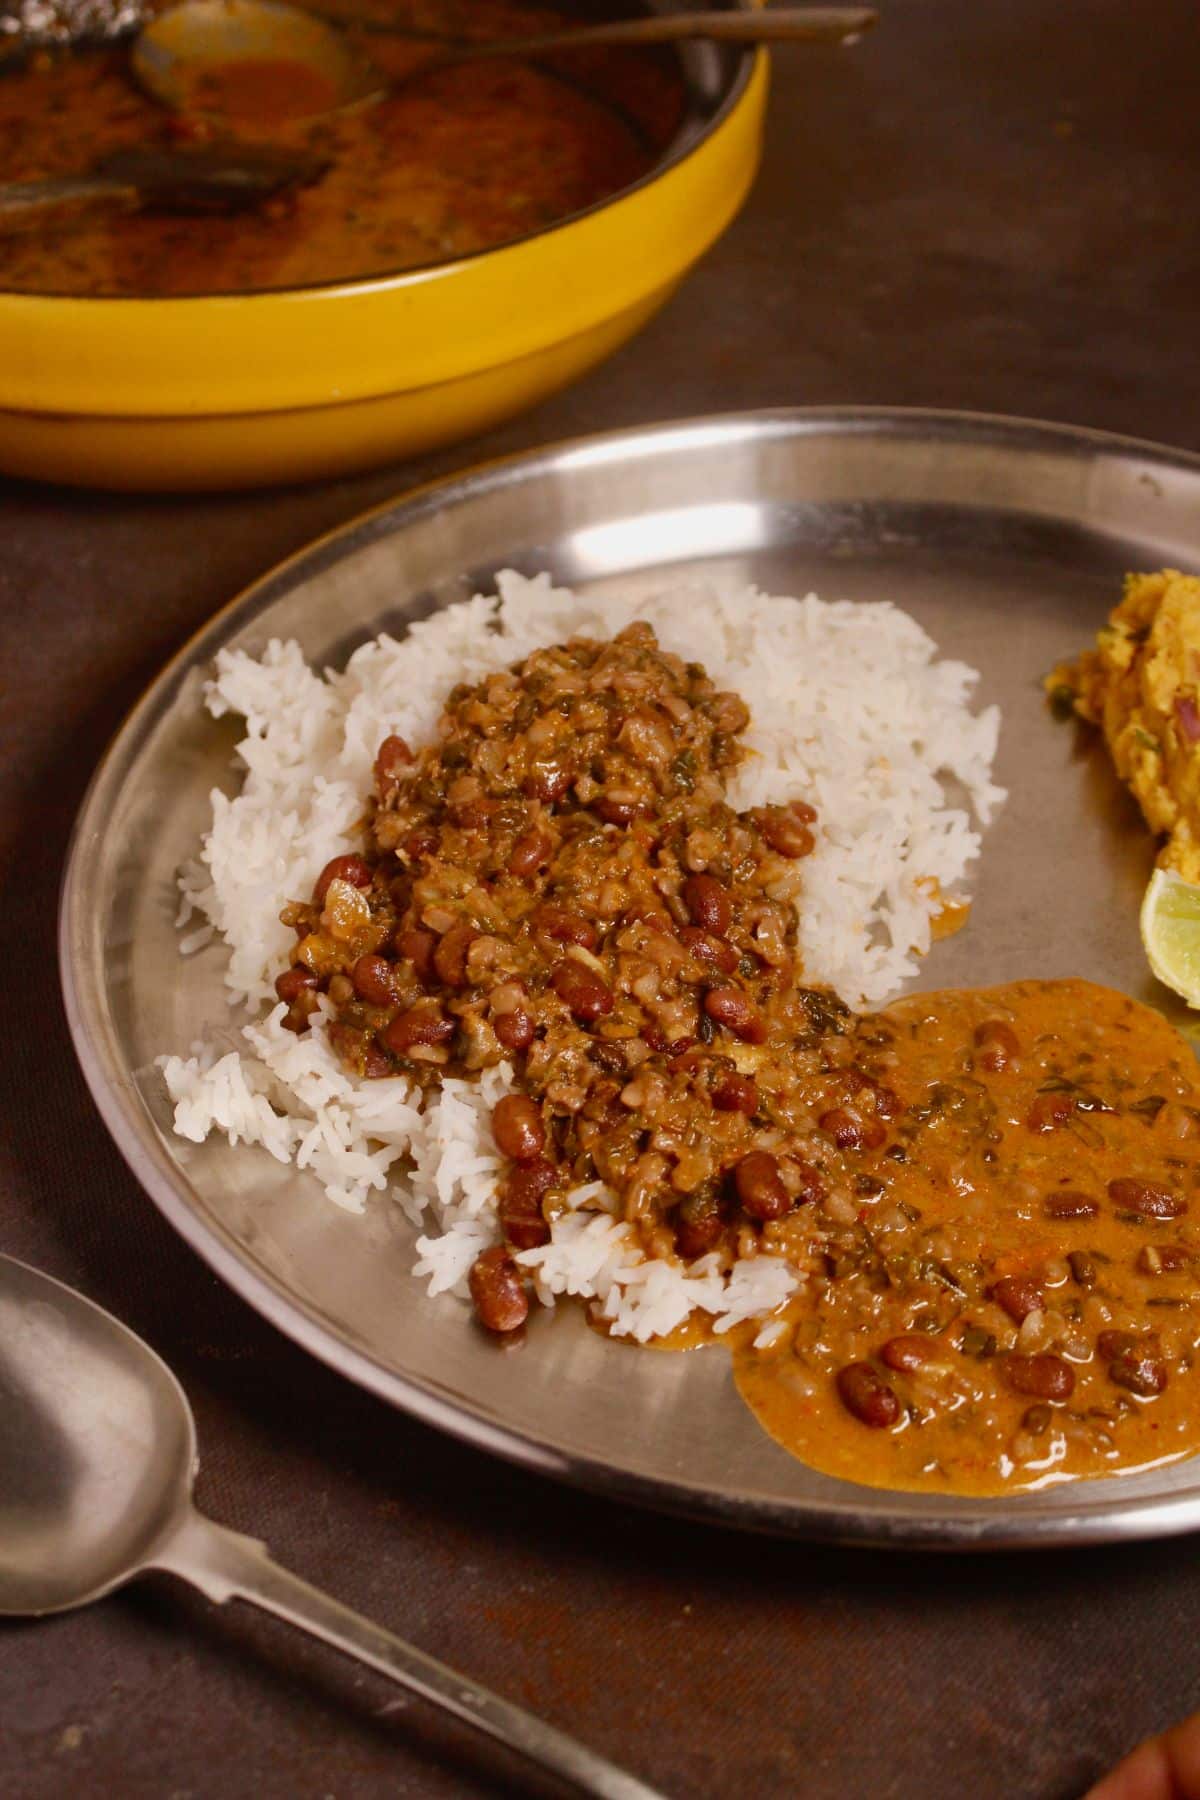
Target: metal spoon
{"points": [[97, 1459], [173, 51], [212, 178]]}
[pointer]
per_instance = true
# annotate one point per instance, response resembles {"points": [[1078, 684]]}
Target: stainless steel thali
{"points": [[1006, 539]]}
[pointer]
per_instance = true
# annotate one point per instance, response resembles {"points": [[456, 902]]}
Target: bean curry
{"points": [[452, 162], [988, 1195]]}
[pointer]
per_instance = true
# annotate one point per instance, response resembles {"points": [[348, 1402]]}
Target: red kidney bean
{"points": [[450, 956], [759, 1187], [616, 812], [521, 1217], [497, 1290], [514, 1029], [393, 758], [1164, 1259], [696, 1235], [998, 1045], [417, 947], [1148, 1202], [708, 949], [849, 1133], [1110, 1344], [865, 1394], [806, 1182], [887, 1103], [1019, 1295], [341, 868], [422, 840], [565, 926], [1044, 1377], [529, 852], [1049, 1111], [785, 829], [736, 1093], [733, 1009], [582, 991], [421, 1024], [517, 1128], [372, 977], [1139, 1374], [294, 982], [911, 1350], [708, 904], [548, 782], [1070, 1204]]}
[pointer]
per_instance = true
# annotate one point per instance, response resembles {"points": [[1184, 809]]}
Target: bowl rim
{"points": [[687, 142]]}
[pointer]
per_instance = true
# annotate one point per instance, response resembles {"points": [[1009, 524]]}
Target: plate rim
{"points": [[864, 1520]]}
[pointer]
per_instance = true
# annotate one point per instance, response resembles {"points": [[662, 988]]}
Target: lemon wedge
{"points": [[1170, 925]]}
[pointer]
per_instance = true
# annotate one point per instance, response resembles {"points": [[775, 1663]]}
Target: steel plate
{"points": [[1006, 539]]}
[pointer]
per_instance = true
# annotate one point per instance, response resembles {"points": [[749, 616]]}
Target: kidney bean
{"points": [[529, 852], [849, 1133], [997, 1044], [698, 1226], [708, 949], [1147, 1201], [416, 946], [759, 1188], [372, 977], [1019, 1295], [804, 1183], [1083, 1268], [1164, 1259], [497, 1290], [1110, 1344], [1049, 1111], [450, 956], [583, 991], [421, 1024], [422, 840], [785, 829], [865, 1394], [294, 982], [341, 868], [514, 1029], [565, 926], [708, 904], [1138, 1374], [911, 1350], [733, 1009], [548, 782], [736, 1093], [521, 1217], [616, 812], [1036, 1419], [1068, 1203], [394, 756], [1044, 1377], [517, 1128]]}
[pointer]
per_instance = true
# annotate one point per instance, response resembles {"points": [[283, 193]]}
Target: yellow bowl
{"points": [[242, 390]]}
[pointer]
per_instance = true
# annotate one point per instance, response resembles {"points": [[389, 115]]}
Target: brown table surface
{"points": [[989, 204]]}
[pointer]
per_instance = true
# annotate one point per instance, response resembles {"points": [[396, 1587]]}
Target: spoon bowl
{"points": [[97, 1460]]}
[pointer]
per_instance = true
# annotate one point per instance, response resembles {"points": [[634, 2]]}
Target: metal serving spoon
{"points": [[97, 1459], [173, 51], [209, 178]]}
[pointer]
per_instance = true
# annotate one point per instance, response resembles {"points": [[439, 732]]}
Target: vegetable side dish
{"points": [[988, 1195], [457, 161]]}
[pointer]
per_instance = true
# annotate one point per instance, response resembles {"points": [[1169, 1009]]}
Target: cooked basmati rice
{"points": [[849, 709]]}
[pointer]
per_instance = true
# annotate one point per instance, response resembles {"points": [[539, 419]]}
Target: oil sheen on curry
{"points": [[451, 163], [992, 1195]]}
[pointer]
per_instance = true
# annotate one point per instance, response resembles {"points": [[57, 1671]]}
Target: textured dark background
{"points": [[991, 204]]}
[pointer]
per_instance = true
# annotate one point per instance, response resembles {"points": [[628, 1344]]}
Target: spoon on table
{"points": [[97, 1459], [194, 46]]}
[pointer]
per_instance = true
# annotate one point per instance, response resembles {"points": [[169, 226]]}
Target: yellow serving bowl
{"points": [[228, 391]]}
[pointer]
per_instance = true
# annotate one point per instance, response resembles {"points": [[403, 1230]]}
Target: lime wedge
{"points": [[1170, 923]]}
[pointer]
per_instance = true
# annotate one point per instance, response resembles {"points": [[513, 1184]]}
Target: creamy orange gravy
{"points": [[458, 161], [980, 1161]]}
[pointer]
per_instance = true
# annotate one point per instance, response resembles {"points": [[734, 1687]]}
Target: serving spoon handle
{"points": [[799, 24], [224, 1565]]}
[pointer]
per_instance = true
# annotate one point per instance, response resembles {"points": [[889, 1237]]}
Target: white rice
{"points": [[850, 709]]}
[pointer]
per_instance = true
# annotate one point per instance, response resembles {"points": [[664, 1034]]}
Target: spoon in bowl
{"points": [[97, 1460], [211, 55]]}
